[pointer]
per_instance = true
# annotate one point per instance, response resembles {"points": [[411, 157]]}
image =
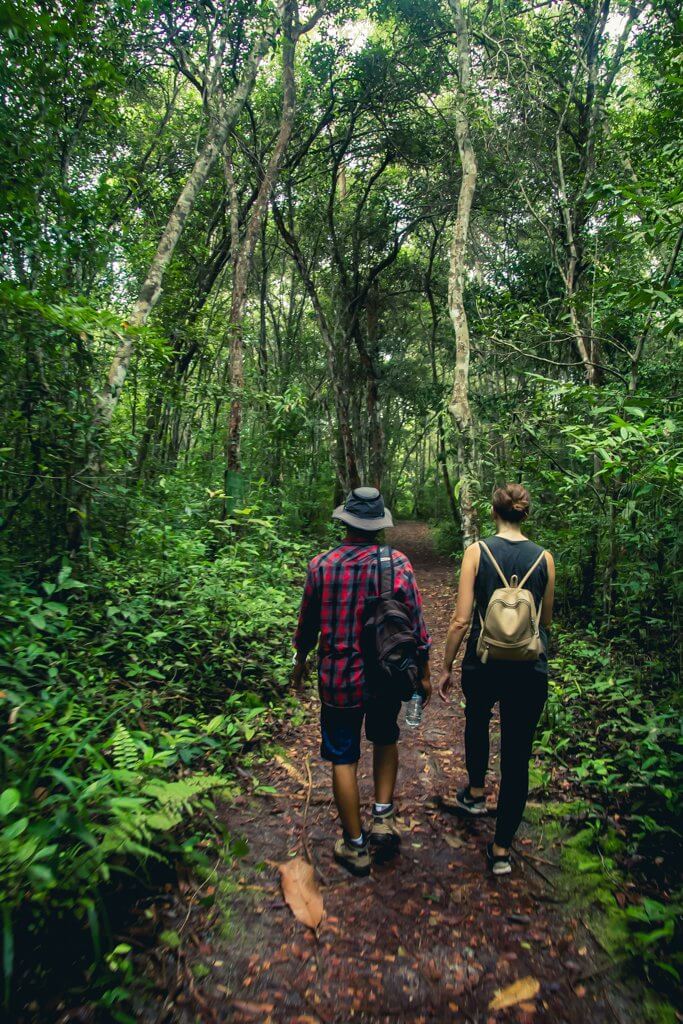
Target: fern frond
{"points": [[125, 753], [180, 794]]}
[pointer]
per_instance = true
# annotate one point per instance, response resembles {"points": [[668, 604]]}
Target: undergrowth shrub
{"points": [[128, 686], [614, 717]]}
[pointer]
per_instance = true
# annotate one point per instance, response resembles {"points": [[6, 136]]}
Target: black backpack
{"points": [[388, 639]]}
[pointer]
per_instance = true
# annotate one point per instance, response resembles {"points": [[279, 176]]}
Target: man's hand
{"points": [[426, 685], [445, 683], [299, 674]]}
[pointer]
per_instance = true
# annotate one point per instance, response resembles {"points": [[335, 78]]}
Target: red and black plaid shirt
{"points": [[337, 585]]}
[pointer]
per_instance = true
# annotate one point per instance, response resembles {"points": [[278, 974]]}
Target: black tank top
{"points": [[515, 557]]}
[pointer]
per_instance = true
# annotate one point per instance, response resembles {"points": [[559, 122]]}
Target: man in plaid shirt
{"points": [[332, 612]]}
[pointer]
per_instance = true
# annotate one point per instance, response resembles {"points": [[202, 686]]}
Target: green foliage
{"points": [[137, 668], [642, 931], [615, 720], [124, 702]]}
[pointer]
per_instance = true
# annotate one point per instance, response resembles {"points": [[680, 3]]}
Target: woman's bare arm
{"points": [[461, 617], [549, 595]]}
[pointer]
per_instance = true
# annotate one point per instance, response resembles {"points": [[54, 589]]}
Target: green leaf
{"points": [[9, 800], [16, 829]]}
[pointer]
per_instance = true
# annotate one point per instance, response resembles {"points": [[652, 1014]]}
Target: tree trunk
{"points": [[459, 406], [339, 384], [441, 456], [246, 251], [150, 291], [152, 286], [375, 429]]}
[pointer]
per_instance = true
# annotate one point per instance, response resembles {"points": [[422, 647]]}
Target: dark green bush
{"points": [[115, 693]]}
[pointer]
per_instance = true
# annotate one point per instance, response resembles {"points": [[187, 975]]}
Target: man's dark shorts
{"points": [[341, 728]]}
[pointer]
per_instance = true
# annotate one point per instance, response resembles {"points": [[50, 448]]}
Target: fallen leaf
{"points": [[454, 842], [253, 1009], [291, 770], [301, 891], [519, 991]]}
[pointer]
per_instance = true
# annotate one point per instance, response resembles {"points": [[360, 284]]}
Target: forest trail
{"points": [[430, 937]]}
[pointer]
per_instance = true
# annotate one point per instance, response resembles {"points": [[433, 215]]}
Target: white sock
{"points": [[380, 808], [356, 842]]}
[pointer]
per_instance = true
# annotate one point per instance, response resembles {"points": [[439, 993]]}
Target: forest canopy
{"points": [[254, 254]]}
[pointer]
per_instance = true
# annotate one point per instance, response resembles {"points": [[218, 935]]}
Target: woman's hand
{"points": [[444, 685]]}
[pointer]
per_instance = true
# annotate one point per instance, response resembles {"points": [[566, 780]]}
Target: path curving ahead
{"points": [[430, 937]]}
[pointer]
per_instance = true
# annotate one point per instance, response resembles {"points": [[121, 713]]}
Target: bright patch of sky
{"points": [[615, 25], [356, 33]]}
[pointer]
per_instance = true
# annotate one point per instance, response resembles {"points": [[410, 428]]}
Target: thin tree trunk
{"points": [[339, 385], [640, 346], [151, 287], [244, 259], [440, 428], [375, 429], [459, 406]]}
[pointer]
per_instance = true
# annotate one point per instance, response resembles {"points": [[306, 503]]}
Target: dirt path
{"points": [[430, 937]]}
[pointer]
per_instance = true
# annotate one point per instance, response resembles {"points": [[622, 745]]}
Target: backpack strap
{"points": [[498, 569], [534, 566], [385, 571]]}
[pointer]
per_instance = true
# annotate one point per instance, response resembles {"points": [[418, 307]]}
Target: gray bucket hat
{"points": [[364, 509]]}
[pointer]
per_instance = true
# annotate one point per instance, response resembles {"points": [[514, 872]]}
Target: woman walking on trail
{"points": [[520, 687]]}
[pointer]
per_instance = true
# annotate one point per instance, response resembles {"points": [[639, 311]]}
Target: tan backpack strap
{"points": [[498, 569], [536, 563]]}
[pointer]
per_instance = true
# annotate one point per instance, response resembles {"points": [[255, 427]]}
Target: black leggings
{"points": [[521, 694]]}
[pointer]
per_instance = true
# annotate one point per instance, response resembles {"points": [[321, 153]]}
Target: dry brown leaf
{"points": [[291, 770], [454, 842], [253, 1009], [301, 891], [518, 992]]}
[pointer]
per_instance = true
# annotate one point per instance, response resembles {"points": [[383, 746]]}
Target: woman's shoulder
{"points": [[531, 547]]}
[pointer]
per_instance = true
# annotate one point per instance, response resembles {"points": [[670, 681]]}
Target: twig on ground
{"points": [[304, 834], [196, 893], [207, 1011], [615, 1013], [596, 972], [540, 860], [305, 843], [546, 897], [533, 867]]}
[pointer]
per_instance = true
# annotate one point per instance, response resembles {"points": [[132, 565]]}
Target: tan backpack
{"points": [[510, 628]]}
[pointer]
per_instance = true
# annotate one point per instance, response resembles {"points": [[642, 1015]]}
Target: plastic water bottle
{"points": [[414, 711]]}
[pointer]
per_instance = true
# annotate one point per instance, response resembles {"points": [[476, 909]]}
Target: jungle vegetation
{"points": [[253, 254]]}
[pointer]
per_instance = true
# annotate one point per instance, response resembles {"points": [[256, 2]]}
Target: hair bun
{"points": [[511, 502]]}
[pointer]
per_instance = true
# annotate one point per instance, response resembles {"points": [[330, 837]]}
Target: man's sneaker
{"points": [[385, 837], [354, 857], [500, 865], [472, 804]]}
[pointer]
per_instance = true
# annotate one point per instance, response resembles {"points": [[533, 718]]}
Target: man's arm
{"points": [[413, 600], [308, 626]]}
